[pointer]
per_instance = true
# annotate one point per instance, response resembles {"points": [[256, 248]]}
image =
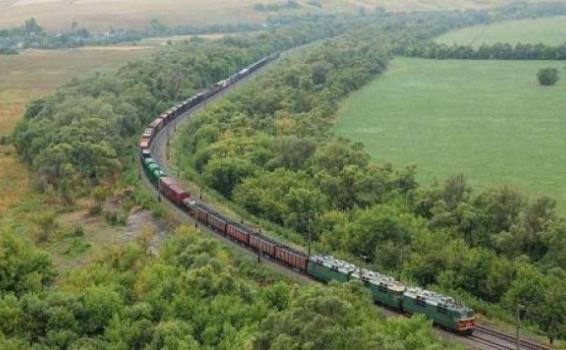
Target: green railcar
{"points": [[153, 171], [326, 269], [386, 291], [146, 163], [443, 310]]}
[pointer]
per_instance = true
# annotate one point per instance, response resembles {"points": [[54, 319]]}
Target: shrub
{"points": [[548, 76]]}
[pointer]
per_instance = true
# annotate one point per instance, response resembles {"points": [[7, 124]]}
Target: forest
{"points": [[267, 148]]}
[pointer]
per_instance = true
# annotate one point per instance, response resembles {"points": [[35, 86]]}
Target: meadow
{"points": [[547, 30], [489, 120]]}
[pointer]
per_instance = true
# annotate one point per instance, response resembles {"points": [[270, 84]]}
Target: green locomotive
{"points": [[385, 290], [152, 170]]}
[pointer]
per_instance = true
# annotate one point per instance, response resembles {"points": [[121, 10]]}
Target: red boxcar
{"points": [[217, 223], [157, 124], [172, 191], [239, 233], [263, 245], [291, 258]]}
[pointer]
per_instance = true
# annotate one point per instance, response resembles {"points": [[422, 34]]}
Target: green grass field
{"points": [[487, 119], [549, 30]]}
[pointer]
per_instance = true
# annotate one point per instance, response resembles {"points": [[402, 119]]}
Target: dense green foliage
{"points": [[268, 149], [548, 76], [190, 297]]}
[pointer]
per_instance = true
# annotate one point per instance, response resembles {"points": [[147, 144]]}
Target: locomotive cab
{"points": [[466, 324]]}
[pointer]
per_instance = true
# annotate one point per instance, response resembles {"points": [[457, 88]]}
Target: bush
{"points": [[548, 76]]}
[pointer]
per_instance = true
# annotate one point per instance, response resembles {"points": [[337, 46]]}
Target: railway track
{"points": [[484, 338], [504, 341]]}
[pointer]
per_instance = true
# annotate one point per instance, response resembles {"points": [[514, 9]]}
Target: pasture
{"points": [[489, 120], [547, 30], [35, 73]]}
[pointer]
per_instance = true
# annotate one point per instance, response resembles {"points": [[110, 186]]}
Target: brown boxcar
{"points": [[217, 223], [144, 143], [238, 233], [149, 133], [263, 245], [166, 118], [294, 259], [157, 124], [201, 214], [172, 191]]}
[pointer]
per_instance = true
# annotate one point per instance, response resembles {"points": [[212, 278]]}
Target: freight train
{"points": [[442, 310]]}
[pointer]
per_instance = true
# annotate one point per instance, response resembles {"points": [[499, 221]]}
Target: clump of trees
{"points": [[193, 296], [273, 7], [548, 76]]}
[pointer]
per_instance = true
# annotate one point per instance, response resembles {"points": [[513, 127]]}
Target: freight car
{"points": [[385, 290]]}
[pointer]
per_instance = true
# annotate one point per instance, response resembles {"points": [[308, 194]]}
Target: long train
{"points": [[385, 290]]}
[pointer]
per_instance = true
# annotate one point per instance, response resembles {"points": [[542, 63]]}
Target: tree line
{"points": [[32, 35], [497, 51]]}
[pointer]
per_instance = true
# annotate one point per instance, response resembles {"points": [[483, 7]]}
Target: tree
{"points": [[225, 174], [548, 76], [22, 268], [100, 303]]}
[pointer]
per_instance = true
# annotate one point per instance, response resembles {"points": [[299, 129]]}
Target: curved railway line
{"points": [[483, 337]]}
